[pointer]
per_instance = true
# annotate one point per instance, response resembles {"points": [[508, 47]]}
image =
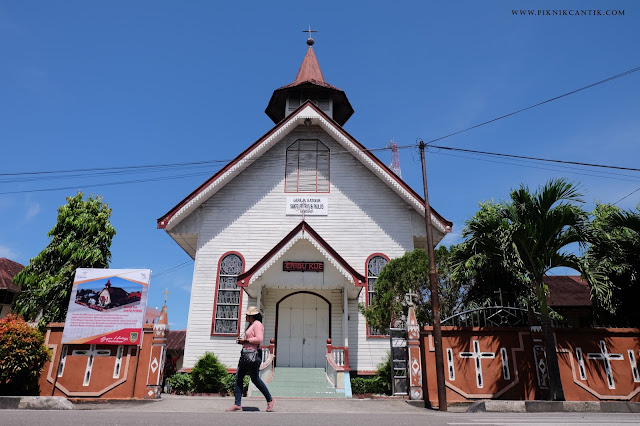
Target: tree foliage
{"points": [[22, 357], [81, 238], [487, 262], [410, 273], [523, 239], [614, 235]]}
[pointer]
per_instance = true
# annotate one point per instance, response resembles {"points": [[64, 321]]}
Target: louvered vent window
{"points": [[307, 166], [321, 99], [227, 307]]}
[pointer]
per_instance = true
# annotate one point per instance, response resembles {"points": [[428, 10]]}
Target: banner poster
{"points": [[107, 307]]}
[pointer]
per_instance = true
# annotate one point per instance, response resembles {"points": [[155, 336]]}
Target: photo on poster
{"points": [[103, 295]]}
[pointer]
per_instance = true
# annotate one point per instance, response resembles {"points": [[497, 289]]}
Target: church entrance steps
{"points": [[299, 382]]}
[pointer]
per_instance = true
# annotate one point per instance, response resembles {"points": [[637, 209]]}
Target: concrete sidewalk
{"points": [[554, 407], [212, 404]]}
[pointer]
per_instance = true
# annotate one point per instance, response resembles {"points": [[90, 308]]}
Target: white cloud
{"points": [[7, 252], [33, 208]]}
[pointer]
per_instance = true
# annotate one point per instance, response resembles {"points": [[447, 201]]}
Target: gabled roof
{"points": [[306, 111], [8, 270], [302, 230], [568, 290], [175, 340]]}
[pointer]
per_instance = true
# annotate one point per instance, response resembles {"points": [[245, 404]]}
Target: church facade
{"points": [[299, 224]]}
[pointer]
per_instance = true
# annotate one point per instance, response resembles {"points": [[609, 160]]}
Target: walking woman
{"points": [[251, 342]]}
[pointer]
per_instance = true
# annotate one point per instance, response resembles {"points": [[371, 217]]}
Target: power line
{"points": [[497, 154], [95, 169], [537, 105], [626, 196], [545, 168], [172, 269], [91, 185]]}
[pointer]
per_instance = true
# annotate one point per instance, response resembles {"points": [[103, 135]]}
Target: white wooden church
{"points": [[299, 224]]}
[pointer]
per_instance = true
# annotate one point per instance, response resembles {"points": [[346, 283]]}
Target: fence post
{"points": [[415, 360]]}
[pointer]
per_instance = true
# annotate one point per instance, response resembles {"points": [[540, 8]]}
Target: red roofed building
{"points": [[570, 296], [8, 290]]}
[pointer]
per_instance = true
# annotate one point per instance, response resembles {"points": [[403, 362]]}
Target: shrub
{"points": [[209, 375], [383, 376], [181, 383], [360, 385], [378, 384], [22, 357], [230, 384]]}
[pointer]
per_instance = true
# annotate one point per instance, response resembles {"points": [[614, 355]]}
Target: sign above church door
{"points": [[288, 266], [308, 206]]}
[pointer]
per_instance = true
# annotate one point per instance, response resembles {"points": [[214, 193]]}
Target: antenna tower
{"points": [[395, 158]]}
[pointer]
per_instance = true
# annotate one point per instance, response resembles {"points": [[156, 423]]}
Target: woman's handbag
{"points": [[249, 359]]}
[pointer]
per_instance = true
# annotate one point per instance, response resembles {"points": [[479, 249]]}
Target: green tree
{"points": [[80, 239], [410, 273], [487, 262], [529, 235], [614, 235], [22, 357]]}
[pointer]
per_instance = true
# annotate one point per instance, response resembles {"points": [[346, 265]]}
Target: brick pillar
{"points": [[414, 361], [155, 374]]}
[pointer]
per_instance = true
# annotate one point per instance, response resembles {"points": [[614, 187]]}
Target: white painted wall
{"points": [[248, 216]]}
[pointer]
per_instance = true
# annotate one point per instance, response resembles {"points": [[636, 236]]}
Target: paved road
{"points": [[185, 411]]}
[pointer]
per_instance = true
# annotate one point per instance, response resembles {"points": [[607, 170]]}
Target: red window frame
{"points": [[215, 300], [366, 274], [297, 151]]}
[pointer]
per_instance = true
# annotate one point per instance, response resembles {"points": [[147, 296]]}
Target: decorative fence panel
{"points": [[599, 364]]}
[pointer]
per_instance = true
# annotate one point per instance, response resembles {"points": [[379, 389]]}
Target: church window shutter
{"points": [[228, 295], [375, 263], [307, 166]]}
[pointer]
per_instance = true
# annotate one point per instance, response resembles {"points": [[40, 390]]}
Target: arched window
{"points": [[375, 263], [307, 166], [228, 295]]}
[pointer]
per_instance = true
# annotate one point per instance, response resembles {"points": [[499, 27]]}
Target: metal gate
{"points": [[398, 339]]}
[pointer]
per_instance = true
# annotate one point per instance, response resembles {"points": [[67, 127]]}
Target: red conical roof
{"points": [[310, 69]]}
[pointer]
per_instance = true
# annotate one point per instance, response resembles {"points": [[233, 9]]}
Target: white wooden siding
{"points": [[248, 216]]}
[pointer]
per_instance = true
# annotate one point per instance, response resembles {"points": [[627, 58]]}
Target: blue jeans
{"points": [[255, 378]]}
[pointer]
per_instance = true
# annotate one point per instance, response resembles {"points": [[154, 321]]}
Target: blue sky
{"points": [[108, 84]]}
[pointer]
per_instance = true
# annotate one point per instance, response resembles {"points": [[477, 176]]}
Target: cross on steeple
{"points": [[165, 292], [309, 40], [499, 292]]}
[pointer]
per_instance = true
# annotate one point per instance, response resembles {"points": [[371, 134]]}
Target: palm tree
{"points": [[614, 237], [521, 240], [542, 228]]}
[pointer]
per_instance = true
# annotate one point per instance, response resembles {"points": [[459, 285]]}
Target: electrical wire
{"points": [[537, 105], [497, 154]]}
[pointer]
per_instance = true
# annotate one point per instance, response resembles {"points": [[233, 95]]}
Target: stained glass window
{"points": [[374, 266], [228, 295]]}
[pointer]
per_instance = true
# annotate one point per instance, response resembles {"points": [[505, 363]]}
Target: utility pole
{"points": [[435, 297]]}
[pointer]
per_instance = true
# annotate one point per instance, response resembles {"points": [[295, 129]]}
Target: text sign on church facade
{"points": [[107, 307], [288, 266], [309, 206]]}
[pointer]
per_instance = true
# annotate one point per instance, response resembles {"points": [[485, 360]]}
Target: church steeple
{"points": [[309, 85]]}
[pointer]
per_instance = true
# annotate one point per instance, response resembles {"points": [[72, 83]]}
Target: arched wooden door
{"points": [[303, 330]]}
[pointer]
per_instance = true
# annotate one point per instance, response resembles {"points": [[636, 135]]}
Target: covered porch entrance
{"points": [[302, 329]]}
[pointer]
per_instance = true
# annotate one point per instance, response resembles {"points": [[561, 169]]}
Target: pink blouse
{"points": [[254, 335]]}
